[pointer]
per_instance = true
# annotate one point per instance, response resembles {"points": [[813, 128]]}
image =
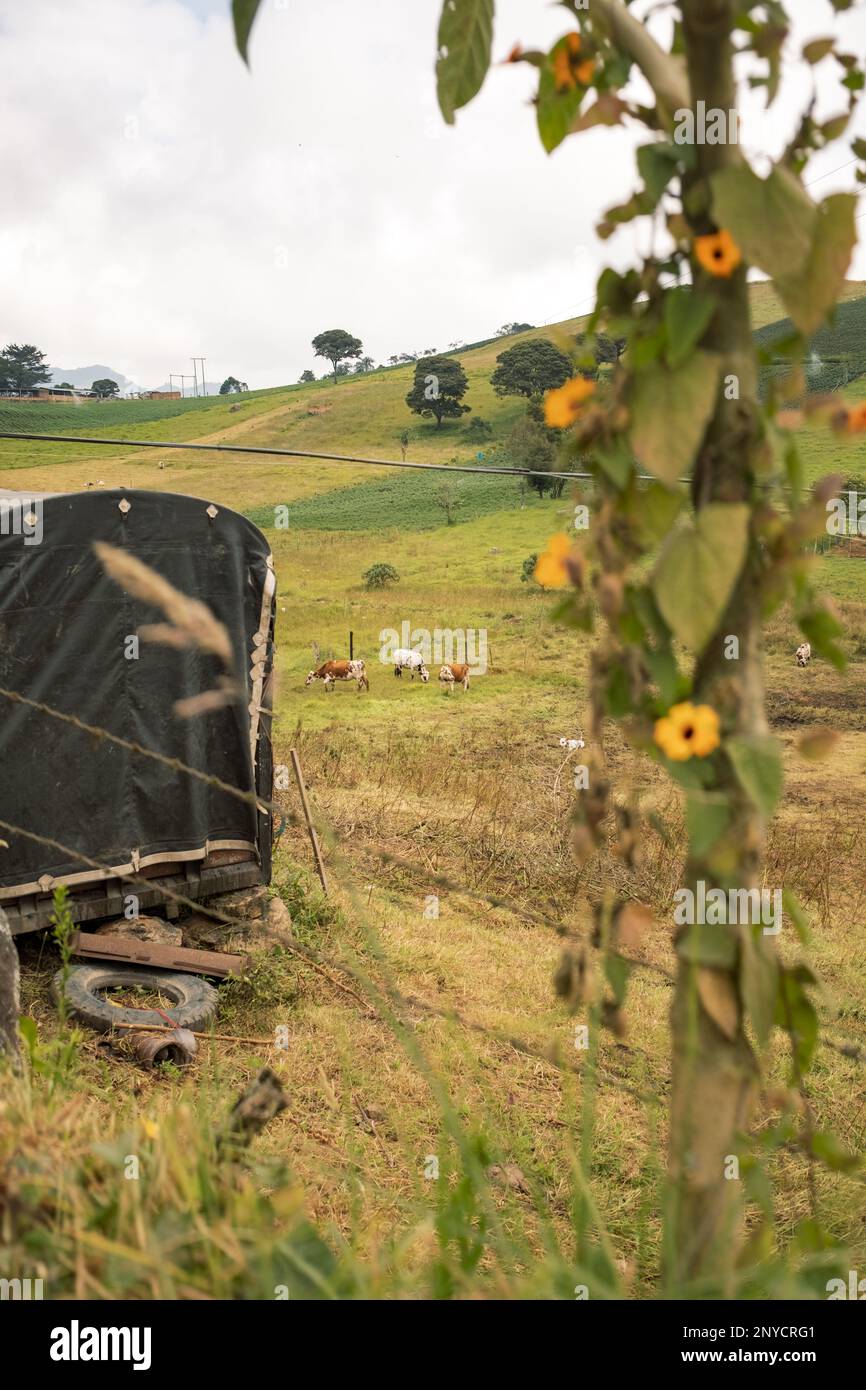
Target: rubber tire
{"points": [[195, 1001]]}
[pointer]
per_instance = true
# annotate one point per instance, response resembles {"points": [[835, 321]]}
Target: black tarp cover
{"points": [[64, 626]]}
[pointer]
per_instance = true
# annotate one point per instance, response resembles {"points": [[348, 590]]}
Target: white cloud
{"points": [[160, 200]]}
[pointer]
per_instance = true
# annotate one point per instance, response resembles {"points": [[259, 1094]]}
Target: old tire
{"points": [[194, 1000]]}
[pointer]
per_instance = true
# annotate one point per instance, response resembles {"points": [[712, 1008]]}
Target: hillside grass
{"points": [[478, 1065]]}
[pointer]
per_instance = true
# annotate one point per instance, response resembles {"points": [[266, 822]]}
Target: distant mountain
{"points": [[85, 376]]}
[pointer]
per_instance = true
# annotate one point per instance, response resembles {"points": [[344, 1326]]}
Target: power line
{"points": [[293, 453]]}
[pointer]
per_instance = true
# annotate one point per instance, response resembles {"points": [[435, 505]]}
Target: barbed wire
{"points": [[322, 963], [852, 1051]]}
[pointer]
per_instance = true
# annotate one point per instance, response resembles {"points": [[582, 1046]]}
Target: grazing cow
{"points": [[332, 671], [406, 660], [804, 653], [454, 674]]}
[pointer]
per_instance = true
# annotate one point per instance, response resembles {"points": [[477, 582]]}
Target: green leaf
{"points": [[817, 49], [772, 220], [697, 570], [806, 249], [616, 461], [811, 295], [243, 14], [617, 970], [707, 817], [759, 983], [793, 907], [657, 164], [796, 1014], [653, 512], [755, 760], [833, 1153], [464, 42], [820, 627], [687, 314], [670, 410], [715, 947], [664, 673]]}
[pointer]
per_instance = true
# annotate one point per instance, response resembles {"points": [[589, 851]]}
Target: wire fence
{"points": [[328, 966]]}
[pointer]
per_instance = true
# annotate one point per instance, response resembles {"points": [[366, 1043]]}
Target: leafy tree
{"points": [[364, 364], [438, 389], [530, 445], [508, 329], [306, 376], [447, 497], [337, 345], [22, 367], [232, 385], [105, 387], [527, 569], [378, 576], [609, 349], [531, 368]]}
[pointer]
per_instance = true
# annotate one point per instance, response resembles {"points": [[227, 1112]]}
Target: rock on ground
{"points": [[143, 929]]}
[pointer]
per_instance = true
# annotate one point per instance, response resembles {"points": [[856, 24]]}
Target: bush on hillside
{"points": [[377, 576]]}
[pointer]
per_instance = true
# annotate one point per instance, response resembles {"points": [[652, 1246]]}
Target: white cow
{"points": [[407, 660], [804, 654]]}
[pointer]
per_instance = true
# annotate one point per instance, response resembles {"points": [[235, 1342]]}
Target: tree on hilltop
{"points": [[336, 345], [531, 368], [438, 389]]}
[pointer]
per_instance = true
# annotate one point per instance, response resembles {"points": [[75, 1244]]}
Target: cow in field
{"points": [[804, 654], [455, 673], [332, 671], [406, 660]]}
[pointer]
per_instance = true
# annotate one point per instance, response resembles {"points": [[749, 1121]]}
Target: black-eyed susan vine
{"points": [[699, 527]]}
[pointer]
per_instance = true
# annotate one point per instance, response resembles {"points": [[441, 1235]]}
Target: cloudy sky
{"points": [[160, 200]]}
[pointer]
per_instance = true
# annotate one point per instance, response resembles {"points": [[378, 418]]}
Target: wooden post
{"points": [[351, 645], [314, 839]]}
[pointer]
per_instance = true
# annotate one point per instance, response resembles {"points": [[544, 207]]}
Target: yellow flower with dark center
{"points": [[718, 253], [569, 68], [562, 406], [688, 731], [550, 567]]}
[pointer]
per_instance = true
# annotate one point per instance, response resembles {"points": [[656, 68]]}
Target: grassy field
{"points": [[468, 1056]]}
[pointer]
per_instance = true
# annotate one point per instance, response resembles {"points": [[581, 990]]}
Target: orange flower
{"points": [[562, 406], [688, 731], [718, 253], [852, 418], [550, 568], [569, 69]]}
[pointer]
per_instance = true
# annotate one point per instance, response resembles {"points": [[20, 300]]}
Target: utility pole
{"points": [[195, 369], [182, 377]]}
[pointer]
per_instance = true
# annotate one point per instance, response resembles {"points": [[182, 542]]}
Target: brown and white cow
{"points": [[332, 671], [804, 653], [455, 673]]}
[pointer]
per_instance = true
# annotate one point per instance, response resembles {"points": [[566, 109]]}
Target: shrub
{"points": [[377, 576]]}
